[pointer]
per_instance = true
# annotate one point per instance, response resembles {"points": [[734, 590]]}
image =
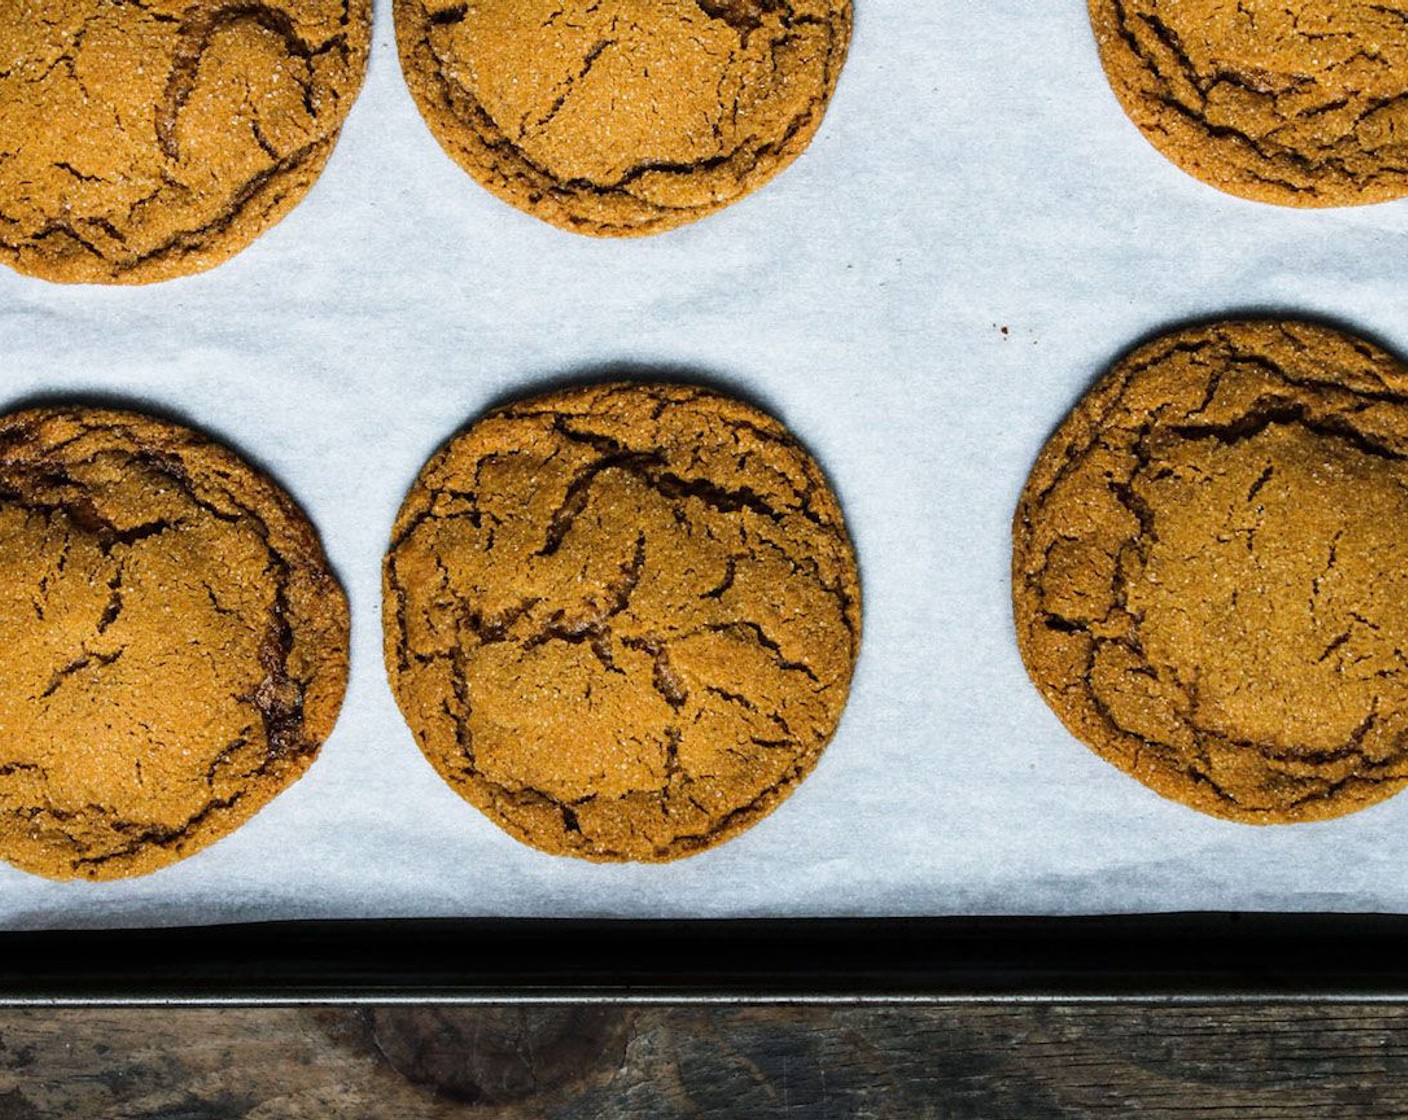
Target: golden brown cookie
{"points": [[1297, 102], [621, 619], [1210, 575], [622, 117], [173, 646], [142, 141]]}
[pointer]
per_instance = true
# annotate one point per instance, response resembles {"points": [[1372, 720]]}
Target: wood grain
{"points": [[959, 1062]]}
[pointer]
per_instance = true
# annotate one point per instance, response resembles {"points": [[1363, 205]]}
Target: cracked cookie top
{"points": [[1296, 102], [155, 138], [173, 645], [622, 117], [622, 619], [1210, 574]]}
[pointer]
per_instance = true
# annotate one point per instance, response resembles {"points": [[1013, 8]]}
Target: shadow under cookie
{"points": [[140, 142], [621, 619], [173, 644], [1210, 570], [622, 117]]}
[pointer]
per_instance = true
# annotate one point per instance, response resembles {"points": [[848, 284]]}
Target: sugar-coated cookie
{"points": [[622, 117], [173, 645], [1210, 573], [1296, 102], [143, 141], [621, 620]]}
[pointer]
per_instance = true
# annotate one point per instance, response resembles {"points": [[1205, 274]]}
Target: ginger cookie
{"points": [[173, 645], [1286, 101], [622, 117], [1210, 573], [622, 619], [142, 141]]}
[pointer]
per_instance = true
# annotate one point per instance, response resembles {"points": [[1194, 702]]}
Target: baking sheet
{"points": [[975, 233]]}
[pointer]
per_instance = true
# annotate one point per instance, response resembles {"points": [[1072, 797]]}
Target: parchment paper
{"points": [[974, 173]]}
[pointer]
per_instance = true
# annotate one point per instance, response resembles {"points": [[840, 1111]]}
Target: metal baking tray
{"points": [[975, 233], [1167, 958]]}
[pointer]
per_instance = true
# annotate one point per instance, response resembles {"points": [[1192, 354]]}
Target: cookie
{"points": [[173, 645], [622, 117], [142, 141], [1210, 572], [621, 619], [1284, 101]]}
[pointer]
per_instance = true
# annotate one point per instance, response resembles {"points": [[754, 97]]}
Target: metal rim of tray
{"points": [[1159, 959]]}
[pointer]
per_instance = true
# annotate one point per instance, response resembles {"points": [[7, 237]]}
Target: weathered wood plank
{"points": [[969, 1062]]}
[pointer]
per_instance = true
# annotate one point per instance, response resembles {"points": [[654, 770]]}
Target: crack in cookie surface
{"points": [[1210, 573], [622, 117], [144, 141], [1301, 104], [622, 620], [175, 645]]}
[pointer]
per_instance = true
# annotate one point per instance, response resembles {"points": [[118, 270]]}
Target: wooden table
{"points": [[992, 1061]]}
